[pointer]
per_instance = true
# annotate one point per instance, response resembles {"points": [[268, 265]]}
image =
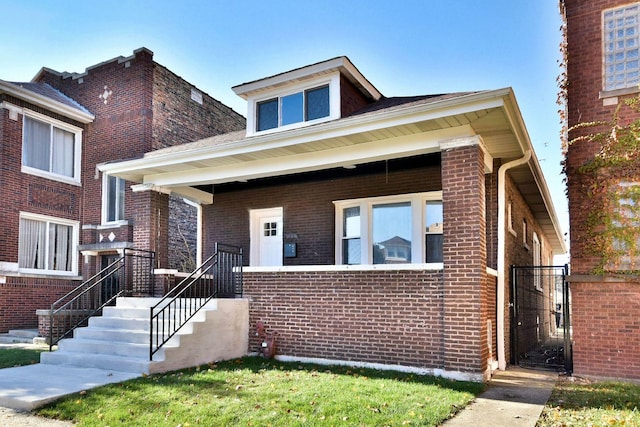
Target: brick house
{"points": [[376, 230], [602, 39], [62, 220]]}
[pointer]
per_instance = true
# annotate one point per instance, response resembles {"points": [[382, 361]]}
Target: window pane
{"points": [[351, 226], [112, 183], [120, 198], [434, 229], [351, 251], [268, 114], [60, 238], [36, 148], [317, 101], [31, 244], [62, 152], [434, 247], [391, 233], [292, 108]]}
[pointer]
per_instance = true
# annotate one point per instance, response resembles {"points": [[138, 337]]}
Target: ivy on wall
{"points": [[612, 182]]}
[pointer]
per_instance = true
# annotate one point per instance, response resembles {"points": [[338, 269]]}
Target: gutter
{"points": [[502, 172]]}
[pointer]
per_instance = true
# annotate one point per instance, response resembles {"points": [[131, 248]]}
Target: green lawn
{"points": [[10, 357], [582, 403], [257, 392]]}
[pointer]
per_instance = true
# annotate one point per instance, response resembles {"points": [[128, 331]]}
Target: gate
{"points": [[541, 317]]}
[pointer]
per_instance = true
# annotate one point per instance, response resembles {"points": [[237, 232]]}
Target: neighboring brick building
{"points": [[118, 109], [602, 51], [328, 173]]}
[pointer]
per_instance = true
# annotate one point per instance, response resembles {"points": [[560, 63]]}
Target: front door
{"points": [[111, 282], [266, 237]]}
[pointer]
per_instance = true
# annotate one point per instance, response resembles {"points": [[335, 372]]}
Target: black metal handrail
{"points": [[89, 298], [220, 276]]}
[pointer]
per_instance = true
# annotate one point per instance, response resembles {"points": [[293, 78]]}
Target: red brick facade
{"points": [[605, 327], [139, 106]]}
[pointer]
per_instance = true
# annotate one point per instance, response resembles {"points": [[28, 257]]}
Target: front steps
{"points": [[21, 336], [119, 339]]}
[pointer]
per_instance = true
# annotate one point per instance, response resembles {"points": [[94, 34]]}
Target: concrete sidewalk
{"points": [[28, 387], [515, 398]]}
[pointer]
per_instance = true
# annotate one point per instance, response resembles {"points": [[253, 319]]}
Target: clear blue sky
{"points": [[410, 47]]}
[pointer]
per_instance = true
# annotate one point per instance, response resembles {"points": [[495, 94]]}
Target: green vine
{"points": [[611, 180]]}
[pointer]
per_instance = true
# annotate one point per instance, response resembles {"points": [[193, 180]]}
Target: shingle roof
{"points": [[54, 94], [381, 106]]}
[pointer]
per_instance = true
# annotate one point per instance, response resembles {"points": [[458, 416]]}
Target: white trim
{"points": [[255, 232], [510, 219], [332, 81], [75, 225], [46, 102], [417, 201], [105, 202], [345, 268], [77, 147], [452, 375], [199, 229]]}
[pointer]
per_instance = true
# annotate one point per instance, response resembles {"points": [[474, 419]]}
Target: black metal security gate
{"points": [[541, 317]]}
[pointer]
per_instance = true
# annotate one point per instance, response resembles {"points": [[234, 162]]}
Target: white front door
{"points": [[266, 237]]}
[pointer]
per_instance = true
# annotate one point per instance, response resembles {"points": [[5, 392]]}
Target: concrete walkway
{"points": [[27, 387], [515, 398]]}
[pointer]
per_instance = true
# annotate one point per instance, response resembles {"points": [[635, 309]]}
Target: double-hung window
{"points": [[112, 199], [303, 106], [621, 47], [399, 229], [51, 148], [47, 244]]}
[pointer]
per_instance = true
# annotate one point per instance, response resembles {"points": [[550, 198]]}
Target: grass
{"points": [[11, 357], [258, 392], [583, 404]]}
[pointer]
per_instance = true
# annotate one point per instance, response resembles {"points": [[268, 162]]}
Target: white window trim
{"points": [[104, 214], [417, 200], [510, 219], [332, 80], [77, 145], [525, 231], [74, 253], [537, 261]]}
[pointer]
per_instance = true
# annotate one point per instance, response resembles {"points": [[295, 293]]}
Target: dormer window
{"points": [[303, 106]]}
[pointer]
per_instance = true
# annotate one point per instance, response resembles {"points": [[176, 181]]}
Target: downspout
{"points": [[502, 173]]}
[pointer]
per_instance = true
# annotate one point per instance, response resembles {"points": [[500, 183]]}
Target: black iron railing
{"points": [[131, 274], [220, 276]]}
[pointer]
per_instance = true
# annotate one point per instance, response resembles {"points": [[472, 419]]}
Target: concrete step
{"points": [[19, 336], [101, 361], [112, 348]]}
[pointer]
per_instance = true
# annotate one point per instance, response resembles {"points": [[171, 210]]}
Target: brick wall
{"points": [[307, 201], [20, 297], [351, 99], [465, 262], [606, 329], [389, 317], [182, 234], [177, 118]]}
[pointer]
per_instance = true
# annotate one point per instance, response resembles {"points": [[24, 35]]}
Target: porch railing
{"points": [[220, 276], [129, 275]]}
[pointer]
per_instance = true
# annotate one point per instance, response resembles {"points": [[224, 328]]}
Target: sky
{"points": [[403, 47]]}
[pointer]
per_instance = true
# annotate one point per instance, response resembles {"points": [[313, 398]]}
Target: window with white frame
{"points": [[47, 244], [621, 47], [398, 229], [302, 106], [112, 199], [537, 261], [50, 148]]}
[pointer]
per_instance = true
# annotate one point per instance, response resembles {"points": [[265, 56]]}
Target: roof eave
{"points": [[46, 102]]}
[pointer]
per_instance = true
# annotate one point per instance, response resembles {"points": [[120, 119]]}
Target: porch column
{"points": [[464, 256], [150, 224]]}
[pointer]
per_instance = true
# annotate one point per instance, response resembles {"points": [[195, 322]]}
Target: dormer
{"points": [[305, 96]]}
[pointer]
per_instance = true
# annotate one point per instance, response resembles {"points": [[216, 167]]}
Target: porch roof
{"points": [[389, 128]]}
